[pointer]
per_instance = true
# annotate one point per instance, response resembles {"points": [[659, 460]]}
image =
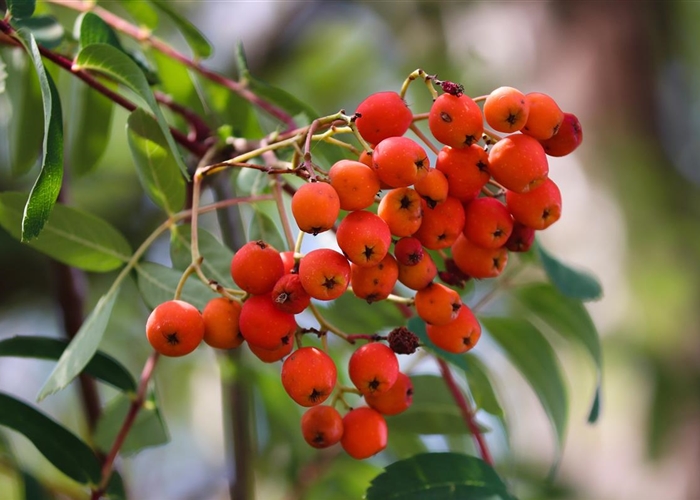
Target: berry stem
{"points": [[279, 201], [424, 138], [373, 337], [415, 75], [466, 411], [326, 326], [136, 404]]}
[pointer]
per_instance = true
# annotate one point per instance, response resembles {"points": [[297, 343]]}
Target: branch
{"points": [[467, 412]]}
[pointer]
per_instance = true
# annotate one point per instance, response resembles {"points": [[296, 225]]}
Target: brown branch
{"points": [[466, 411]]}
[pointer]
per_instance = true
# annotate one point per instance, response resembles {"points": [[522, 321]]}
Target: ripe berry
{"points": [[264, 325], [374, 283], [539, 208], [175, 328], [418, 275], [394, 401], [324, 274], [308, 376], [401, 209], [518, 162], [373, 368], [271, 356], [289, 295], [400, 161], [506, 109], [466, 170], [315, 207], [437, 304], [441, 225], [521, 239], [383, 115], [456, 121], [458, 336], [433, 187], [476, 261], [221, 317], [322, 426], [567, 138], [408, 251], [256, 267], [364, 238], [545, 116], [364, 433], [356, 184], [488, 222], [288, 261]]}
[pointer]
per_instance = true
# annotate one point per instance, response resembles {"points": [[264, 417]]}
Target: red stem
{"points": [[364, 336], [467, 412], [136, 404]]}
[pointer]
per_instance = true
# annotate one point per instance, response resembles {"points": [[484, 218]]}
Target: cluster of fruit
{"points": [[485, 196]]}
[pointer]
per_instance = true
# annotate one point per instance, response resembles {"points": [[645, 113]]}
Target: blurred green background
{"points": [[631, 205]]}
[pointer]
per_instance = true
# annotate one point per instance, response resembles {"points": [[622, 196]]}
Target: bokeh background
{"points": [[629, 70]]}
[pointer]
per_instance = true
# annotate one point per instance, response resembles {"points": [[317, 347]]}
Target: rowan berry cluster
{"points": [[402, 219]]}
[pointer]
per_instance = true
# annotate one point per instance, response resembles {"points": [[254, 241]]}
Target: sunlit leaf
{"points": [[142, 12], [46, 30], [71, 236], [438, 476], [571, 282], [196, 40], [155, 164], [569, 318], [101, 366], [47, 186], [83, 346], [93, 29], [114, 63]]}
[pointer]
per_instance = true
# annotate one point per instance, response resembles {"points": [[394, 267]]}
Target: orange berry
{"points": [[324, 274], [539, 208], [441, 225], [401, 209], [419, 275], [456, 121], [488, 222], [506, 109], [373, 368], [478, 262], [315, 207], [437, 304], [364, 238], [221, 317], [175, 328], [433, 187], [518, 162], [289, 295], [382, 115], [394, 401], [271, 356], [567, 138], [400, 161], [264, 325], [466, 170], [356, 184], [365, 433], [374, 283], [545, 116], [458, 336], [308, 376], [256, 267], [322, 426]]}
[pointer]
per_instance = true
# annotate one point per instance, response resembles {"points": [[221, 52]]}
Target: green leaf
{"points": [[89, 130], [46, 30], [177, 82], [228, 108], [438, 476], [61, 447], [532, 354], [21, 9], [155, 164], [569, 318], [148, 429], [196, 40], [354, 315], [47, 186], [33, 489], [265, 224], [142, 12], [479, 383], [101, 366], [114, 63], [94, 30], [571, 282], [157, 284], [83, 346], [71, 236], [217, 256]]}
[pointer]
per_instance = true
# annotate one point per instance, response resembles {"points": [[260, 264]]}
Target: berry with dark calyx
{"points": [[408, 251], [264, 325], [271, 355], [433, 187], [456, 121], [373, 368], [567, 139], [441, 225], [394, 401], [403, 341], [400, 161], [383, 115], [175, 328], [458, 336], [518, 162], [289, 295], [506, 109], [377, 282], [437, 304], [356, 184], [539, 208], [476, 261], [545, 116], [322, 426], [488, 223], [401, 209], [466, 170], [308, 376], [315, 207], [256, 267], [418, 275], [521, 239], [364, 238], [324, 274]]}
